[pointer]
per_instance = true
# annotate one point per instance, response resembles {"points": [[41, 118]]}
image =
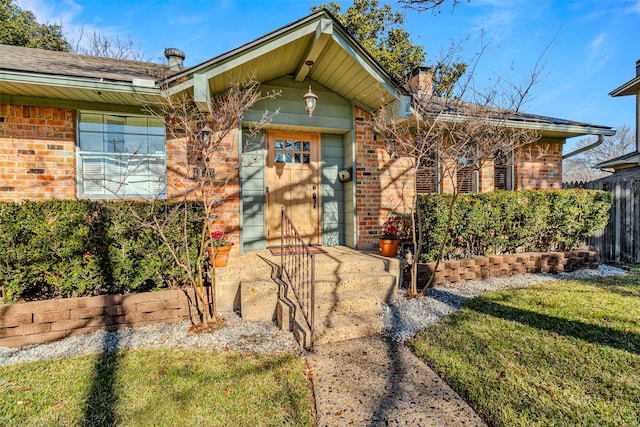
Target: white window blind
{"points": [[121, 156]]}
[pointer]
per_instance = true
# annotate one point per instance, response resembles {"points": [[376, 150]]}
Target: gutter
{"points": [[583, 149]]}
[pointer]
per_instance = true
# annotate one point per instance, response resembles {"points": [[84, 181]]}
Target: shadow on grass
{"points": [[102, 398], [627, 341]]}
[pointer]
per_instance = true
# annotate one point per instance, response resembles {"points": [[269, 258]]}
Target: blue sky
{"points": [[592, 44]]}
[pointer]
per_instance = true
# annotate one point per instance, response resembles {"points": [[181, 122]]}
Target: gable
{"points": [[339, 64]]}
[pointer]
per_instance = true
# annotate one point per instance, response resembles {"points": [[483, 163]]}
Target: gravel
{"points": [[403, 320], [408, 316]]}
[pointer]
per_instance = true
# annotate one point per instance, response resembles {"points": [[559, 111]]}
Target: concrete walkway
{"points": [[373, 382]]}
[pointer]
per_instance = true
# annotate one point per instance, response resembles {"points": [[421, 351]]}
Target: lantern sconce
{"points": [[310, 98]]}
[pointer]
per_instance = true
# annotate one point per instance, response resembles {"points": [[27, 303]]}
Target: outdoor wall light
{"points": [[310, 98], [205, 132]]}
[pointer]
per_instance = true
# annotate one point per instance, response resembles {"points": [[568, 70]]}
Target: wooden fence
{"points": [[620, 240]]}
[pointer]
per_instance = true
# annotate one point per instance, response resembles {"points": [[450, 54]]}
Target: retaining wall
{"points": [[44, 321], [484, 267]]}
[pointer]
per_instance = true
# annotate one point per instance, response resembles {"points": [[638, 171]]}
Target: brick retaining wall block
{"points": [[485, 267], [38, 322]]}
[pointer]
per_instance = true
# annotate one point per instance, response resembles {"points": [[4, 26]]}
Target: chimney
{"points": [[421, 81], [175, 57], [638, 68]]}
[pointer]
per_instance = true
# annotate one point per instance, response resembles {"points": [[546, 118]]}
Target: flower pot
{"points": [[389, 247], [219, 255]]}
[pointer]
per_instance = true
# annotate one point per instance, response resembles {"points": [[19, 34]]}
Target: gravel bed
{"points": [[403, 320], [408, 316], [236, 335]]}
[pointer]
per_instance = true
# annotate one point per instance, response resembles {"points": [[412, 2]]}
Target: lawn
{"points": [[159, 388], [563, 353]]}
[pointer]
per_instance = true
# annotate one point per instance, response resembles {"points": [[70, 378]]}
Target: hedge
{"points": [[512, 221], [60, 248]]}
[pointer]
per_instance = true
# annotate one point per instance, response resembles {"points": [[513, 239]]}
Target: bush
{"points": [[79, 248], [512, 221]]}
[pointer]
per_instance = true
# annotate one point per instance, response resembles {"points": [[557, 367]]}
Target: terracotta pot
{"points": [[219, 255], [389, 247]]}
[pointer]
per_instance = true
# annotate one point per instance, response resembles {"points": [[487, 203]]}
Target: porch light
{"points": [[205, 132], [310, 99]]}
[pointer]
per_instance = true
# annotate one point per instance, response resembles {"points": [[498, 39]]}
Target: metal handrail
{"points": [[298, 264]]}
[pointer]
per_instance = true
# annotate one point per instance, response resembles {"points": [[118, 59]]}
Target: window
{"points": [[293, 151], [427, 176], [502, 171], [121, 156]]}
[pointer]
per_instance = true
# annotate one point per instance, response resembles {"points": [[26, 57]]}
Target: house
{"points": [[64, 117], [632, 159]]}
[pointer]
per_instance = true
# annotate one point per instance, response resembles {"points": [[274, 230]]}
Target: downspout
{"points": [[583, 149]]}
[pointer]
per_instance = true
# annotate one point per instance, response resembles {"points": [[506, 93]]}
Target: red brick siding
{"points": [[538, 166], [37, 153], [383, 184], [227, 213]]}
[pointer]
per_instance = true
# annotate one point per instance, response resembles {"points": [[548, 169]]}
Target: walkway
{"points": [[373, 382]]}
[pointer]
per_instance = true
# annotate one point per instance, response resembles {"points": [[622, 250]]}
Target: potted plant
{"points": [[219, 249], [392, 231]]}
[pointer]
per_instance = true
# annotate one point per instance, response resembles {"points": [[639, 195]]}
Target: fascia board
{"points": [[632, 87], [77, 83], [360, 56], [574, 130]]}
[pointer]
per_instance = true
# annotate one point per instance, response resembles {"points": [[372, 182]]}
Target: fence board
{"points": [[620, 239]]}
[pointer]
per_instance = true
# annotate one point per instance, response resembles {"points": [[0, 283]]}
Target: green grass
{"points": [[563, 353], [158, 388]]}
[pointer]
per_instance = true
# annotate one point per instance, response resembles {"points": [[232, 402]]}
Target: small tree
{"points": [[461, 137], [207, 172]]}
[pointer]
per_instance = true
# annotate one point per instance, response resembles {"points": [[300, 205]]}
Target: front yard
{"points": [[562, 353], [158, 388]]}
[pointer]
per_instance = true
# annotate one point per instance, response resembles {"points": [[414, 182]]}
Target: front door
{"points": [[293, 182]]}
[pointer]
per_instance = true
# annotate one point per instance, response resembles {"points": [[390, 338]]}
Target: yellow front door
{"points": [[293, 182]]}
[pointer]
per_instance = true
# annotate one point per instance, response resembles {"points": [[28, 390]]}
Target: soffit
{"points": [[340, 64]]}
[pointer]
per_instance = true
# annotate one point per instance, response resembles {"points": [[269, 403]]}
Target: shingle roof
{"points": [[39, 61]]}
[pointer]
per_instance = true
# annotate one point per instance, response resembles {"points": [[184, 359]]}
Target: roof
{"points": [[35, 75], [48, 62], [626, 160], [623, 175], [316, 47], [339, 63], [545, 125], [632, 87]]}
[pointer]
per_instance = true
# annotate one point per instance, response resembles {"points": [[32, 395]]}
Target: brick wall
{"points": [[44, 321], [227, 194], [37, 153], [538, 166], [384, 185]]}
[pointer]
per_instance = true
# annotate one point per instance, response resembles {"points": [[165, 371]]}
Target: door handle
{"points": [[315, 199]]}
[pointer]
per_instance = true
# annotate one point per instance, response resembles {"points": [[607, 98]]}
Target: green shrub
{"points": [[512, 221], [79, 248]]}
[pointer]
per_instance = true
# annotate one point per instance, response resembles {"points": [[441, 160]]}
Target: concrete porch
{"points": [[351, 288]]}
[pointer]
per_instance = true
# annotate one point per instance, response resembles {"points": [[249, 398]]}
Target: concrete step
{"points": [[380, 285], [351, 289]]}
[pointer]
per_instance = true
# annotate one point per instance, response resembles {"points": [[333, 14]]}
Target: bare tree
{"points": [[205, 170], [432, 5], [204, 139], [462, 138], [581, 167], [95, 43]]}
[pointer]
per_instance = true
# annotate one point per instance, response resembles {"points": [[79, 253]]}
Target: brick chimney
{"points": [[421, 81], [175, 58]]}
